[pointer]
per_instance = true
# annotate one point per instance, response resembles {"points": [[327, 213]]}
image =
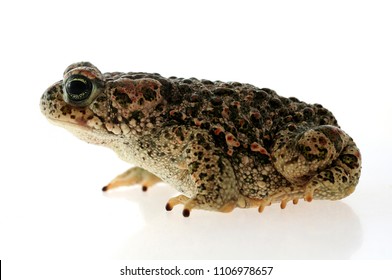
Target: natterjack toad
{"points": [[222, 145]]}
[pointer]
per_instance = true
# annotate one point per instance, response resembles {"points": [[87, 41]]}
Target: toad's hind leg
{"points": [[323, 160], [132, 176], [340, 179], [211, 183]]}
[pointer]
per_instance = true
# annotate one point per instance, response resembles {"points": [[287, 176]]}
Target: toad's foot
{"points": [[194, 203], [282, 198], [132, 176], [243, 202]]}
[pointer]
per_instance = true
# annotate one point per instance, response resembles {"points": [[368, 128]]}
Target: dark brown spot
{"points": [[184, 89], [294, 99], [292, 127], [141, 101], [322, 141], [206, 82], [308, 113], [236, 84], [275, 103], [268, 90], [122, 98], [102, 98], [298, 117], [137, 115], [329, 176], [187, 81], [65, 110], [260, 95], [350, 160], [216, 101], [149, 94], [322, 111], [224, 91]]}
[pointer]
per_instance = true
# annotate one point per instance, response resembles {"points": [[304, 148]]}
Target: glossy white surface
{"points": [[51, 205]]}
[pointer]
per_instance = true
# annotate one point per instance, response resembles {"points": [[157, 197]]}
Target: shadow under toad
{"points": [[317, 230]]}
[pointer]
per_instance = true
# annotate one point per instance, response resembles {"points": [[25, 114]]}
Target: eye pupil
{"points": [[78, 88]]}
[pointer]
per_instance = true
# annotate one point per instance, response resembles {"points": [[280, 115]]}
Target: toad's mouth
{"points": [[68, 124], [74, 120], [92, 134]]}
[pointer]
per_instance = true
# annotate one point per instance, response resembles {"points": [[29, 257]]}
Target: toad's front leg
{"points": [[133, 176], [212, 184]]}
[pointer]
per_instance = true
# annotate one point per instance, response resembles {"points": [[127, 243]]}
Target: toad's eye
{"points": [[78, 89]]}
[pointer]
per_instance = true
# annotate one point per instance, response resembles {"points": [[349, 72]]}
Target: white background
{"points": [[337, 53]]}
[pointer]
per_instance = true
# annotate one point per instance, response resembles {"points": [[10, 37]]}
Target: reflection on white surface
{"points": [[318, 230]]}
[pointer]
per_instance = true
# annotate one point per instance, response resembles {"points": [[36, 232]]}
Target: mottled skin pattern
{"points": [[222, 145]]}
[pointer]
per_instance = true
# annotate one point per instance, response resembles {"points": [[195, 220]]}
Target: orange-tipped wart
{"points": [[308, 196], [283, 204]]}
